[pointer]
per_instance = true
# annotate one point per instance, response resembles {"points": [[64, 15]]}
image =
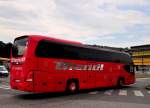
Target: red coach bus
{"points": [[42, 64]]}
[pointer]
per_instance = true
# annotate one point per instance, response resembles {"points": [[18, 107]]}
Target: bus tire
{"points": [[120, 82], [72, 87]]}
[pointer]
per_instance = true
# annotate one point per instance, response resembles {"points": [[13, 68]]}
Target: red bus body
{"points": [[42, 74]]}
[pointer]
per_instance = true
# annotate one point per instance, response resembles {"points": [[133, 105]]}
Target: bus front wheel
{"points": [[120, 82]]}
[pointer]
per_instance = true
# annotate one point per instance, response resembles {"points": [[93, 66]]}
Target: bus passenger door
{"points": [[110, 75]]}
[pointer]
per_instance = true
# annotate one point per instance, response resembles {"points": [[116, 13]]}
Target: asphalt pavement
{"points": [[133, 96]]}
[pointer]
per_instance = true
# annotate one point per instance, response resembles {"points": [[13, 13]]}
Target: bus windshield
{"points": [[20, 46]]}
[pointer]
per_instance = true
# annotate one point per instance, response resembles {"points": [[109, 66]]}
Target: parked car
{"points": [[3, 71]]}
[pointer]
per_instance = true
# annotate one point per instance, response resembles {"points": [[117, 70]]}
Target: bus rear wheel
{"points": [[72, 87]]}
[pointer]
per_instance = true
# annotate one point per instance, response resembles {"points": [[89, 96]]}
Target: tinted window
{"points": [[54, 50], [49, 49]]}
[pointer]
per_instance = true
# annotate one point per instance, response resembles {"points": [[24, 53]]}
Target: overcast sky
{"points": [[119, 23]]}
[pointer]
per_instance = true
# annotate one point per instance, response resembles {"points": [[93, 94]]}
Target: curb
{"points": [[144, 78]]}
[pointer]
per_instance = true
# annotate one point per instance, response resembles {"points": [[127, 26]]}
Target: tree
{"points": [[2, 46], [5, 49]]}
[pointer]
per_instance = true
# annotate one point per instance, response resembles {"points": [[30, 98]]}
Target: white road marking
{"points": [[5, 87], [123, 92], [93, 93], [108, 92], [138, 93]]}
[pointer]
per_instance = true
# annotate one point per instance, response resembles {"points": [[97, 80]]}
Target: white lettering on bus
{"points": [[73, 66], [18, 60]]}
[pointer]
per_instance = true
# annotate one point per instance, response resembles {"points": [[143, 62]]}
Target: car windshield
{"points": [[2, 68]]}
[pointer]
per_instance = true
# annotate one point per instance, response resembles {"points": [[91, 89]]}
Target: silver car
{"points": [[3, 71]]}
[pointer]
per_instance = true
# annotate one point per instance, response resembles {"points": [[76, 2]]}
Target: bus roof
{"points": [[106, 49], [41, 37]]}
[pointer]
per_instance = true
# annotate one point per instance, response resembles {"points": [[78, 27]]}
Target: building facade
{"points": [[141, 57]]}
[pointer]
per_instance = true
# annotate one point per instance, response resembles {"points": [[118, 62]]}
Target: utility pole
{"points": [[142, 55]]}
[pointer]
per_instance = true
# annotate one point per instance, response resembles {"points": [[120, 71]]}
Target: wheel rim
{"points": [[121, 82], [72, 87]]}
